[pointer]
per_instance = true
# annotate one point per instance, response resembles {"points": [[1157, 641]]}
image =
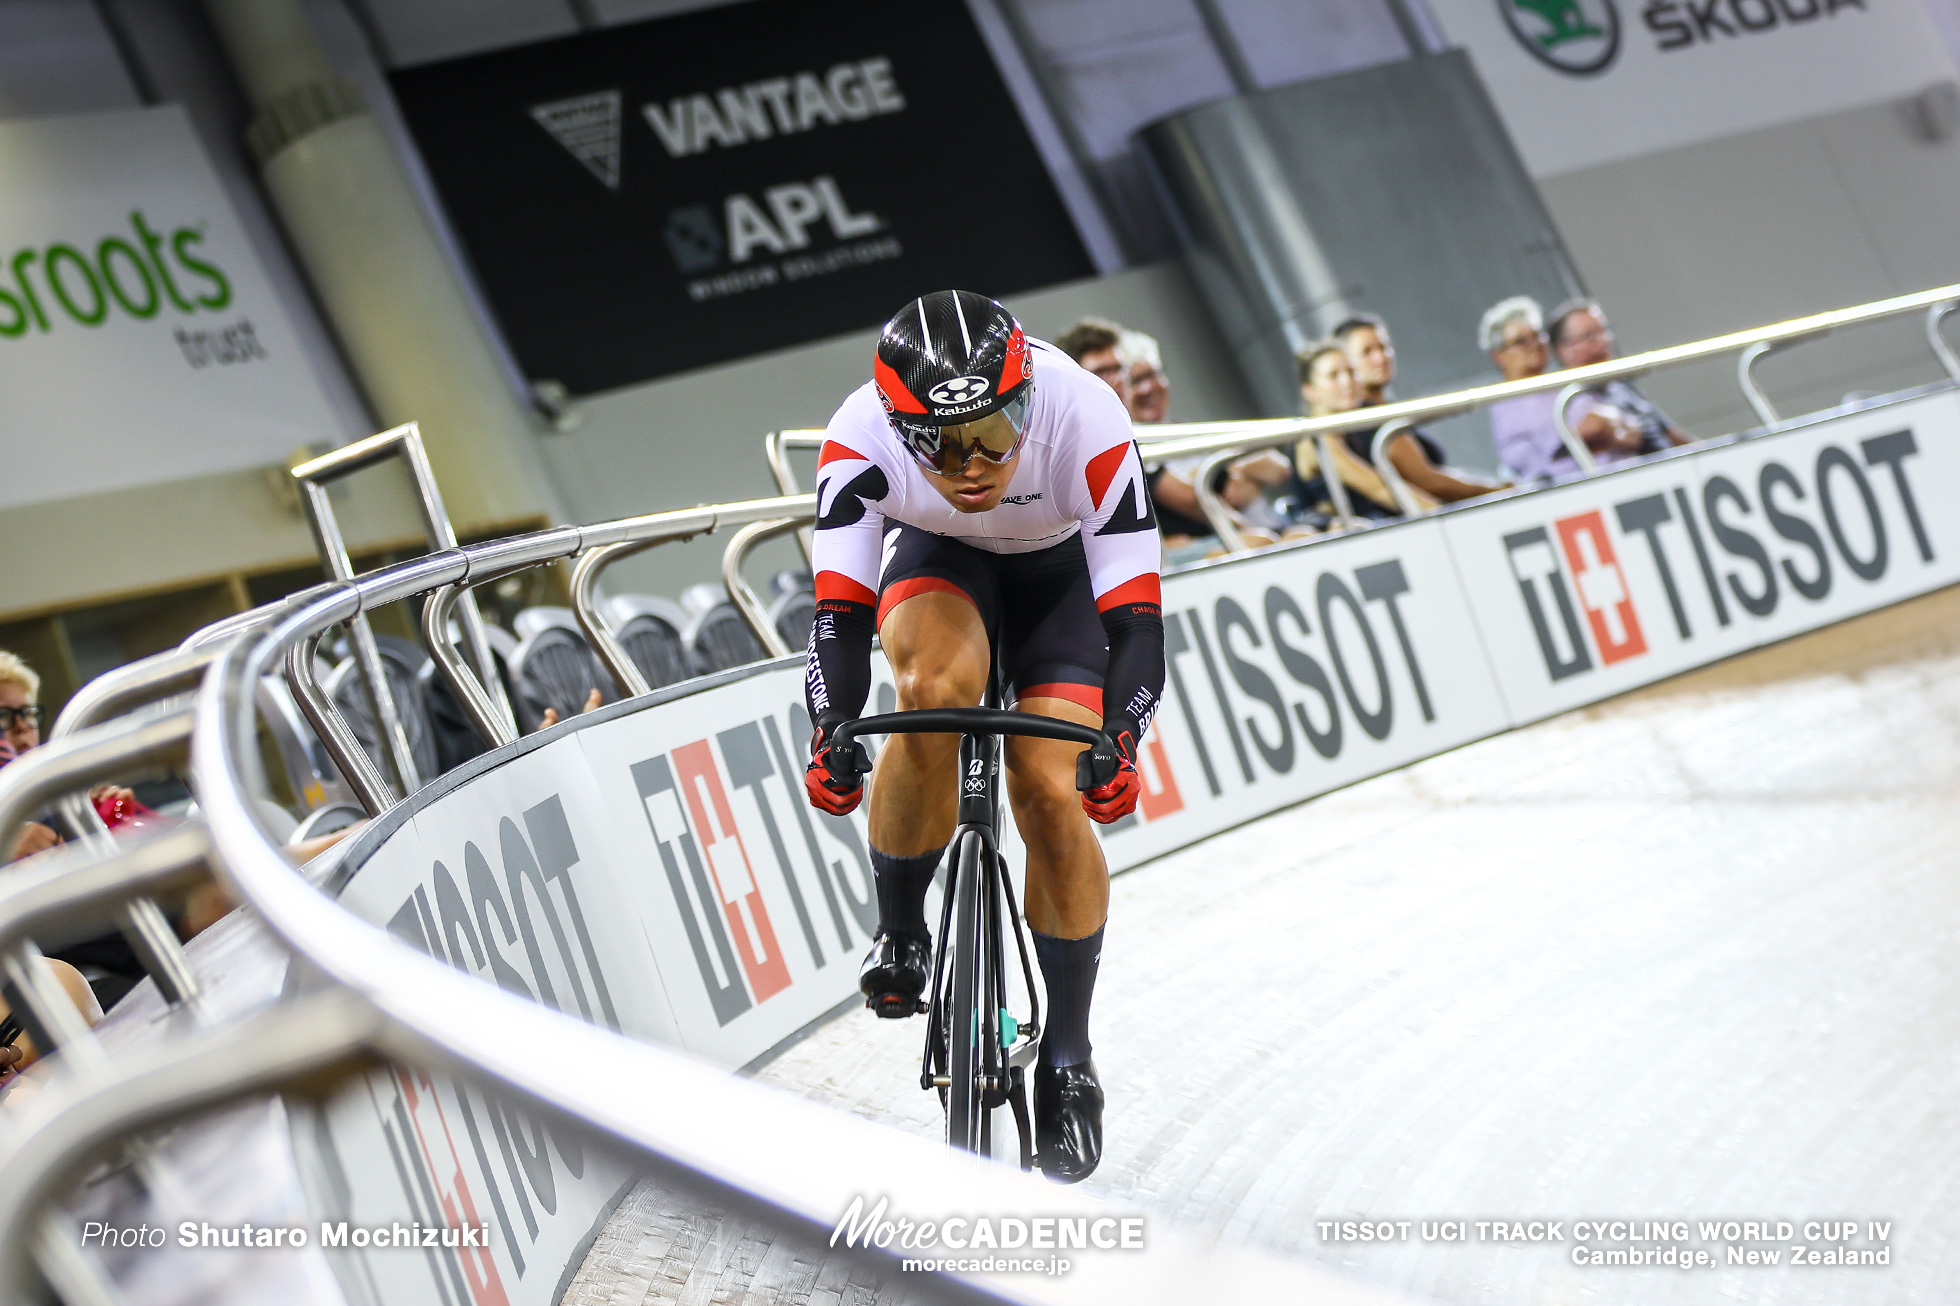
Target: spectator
{"points": [[1150, 389], [1418, 458], [1582, 336], [1329, 386], [1513, 334], [109, 964], [1130, 364], [1096, 346], [22, 1053], [20, 730]]}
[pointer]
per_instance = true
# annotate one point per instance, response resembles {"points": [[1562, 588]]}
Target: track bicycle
{"points": [[976, 1051]]}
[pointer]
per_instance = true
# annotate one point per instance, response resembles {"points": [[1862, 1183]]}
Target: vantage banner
{"points": [[650, 198], [139, 339], [657, 869]]}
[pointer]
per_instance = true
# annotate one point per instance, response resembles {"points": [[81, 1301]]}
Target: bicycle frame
{"points": [[978, 885]]}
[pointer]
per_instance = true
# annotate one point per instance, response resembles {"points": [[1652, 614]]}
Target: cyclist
{"points": [[983, 487]]}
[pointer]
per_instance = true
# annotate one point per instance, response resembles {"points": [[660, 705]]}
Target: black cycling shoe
{"points": [[1068, 1111], [893, 977]]}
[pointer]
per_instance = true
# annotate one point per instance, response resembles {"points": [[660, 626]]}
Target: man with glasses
{"points": [[982, 487], [1582, 336], [20, 730]]}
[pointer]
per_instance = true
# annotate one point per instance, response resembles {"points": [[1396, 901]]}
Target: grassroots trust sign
{"points": [[139, 339], [1585, 82]]}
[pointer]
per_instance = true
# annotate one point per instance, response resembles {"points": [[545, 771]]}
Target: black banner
{"points": [[656, 197]]}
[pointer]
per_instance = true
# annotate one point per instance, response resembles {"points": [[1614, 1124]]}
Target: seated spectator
{"points": [[108, 963], [1582, 336], [1418, 458], [1328, 385], [1150, 389], [20, 1053], [1513, 334], [1130, 363]]}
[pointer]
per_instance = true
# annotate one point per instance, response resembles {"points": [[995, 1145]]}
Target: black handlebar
{"points": [[1095, 767]]}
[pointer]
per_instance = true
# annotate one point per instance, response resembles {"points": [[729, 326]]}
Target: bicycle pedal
{"points": [[894, 1006]]}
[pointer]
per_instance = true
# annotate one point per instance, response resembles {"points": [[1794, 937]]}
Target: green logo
{"points": [[1579, 37], [138, 273]]}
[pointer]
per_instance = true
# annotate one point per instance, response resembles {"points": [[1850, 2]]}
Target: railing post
{"points": [[1215, 509], [1745, 376], [739, 591], [1935, 316], [1385, 466], [1574, 445]]}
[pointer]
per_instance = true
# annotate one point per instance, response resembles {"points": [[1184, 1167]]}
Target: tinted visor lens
{"points": [[995, 437]]}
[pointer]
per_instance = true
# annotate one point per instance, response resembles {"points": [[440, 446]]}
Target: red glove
{"points": [[1118, 798], [837, 794]]}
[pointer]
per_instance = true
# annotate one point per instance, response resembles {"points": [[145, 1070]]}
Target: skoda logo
{"points": [[959, 390], [1579, 37]]}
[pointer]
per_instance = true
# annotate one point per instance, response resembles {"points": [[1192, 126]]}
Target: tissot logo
{"points": [[1717, 552], [1602, 587], [719, 832], [1579, 37]]}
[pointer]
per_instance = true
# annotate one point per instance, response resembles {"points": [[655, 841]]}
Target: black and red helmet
{"points": [[950, 359]]}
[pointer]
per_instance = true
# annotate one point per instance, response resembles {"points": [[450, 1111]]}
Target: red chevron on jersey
{"points": [[1102, 470], [1147, 588], [832, 451]]}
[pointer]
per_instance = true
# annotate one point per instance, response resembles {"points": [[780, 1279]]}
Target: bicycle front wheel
{"points": [[972, 1017]]}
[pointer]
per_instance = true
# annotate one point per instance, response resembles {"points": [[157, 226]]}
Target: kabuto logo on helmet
{"points": [[959, 390]]}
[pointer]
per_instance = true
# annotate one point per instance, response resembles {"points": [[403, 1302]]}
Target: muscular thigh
{"points": [[938, 649]]}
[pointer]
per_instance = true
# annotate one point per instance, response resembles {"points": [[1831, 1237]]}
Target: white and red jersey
{"points": [[1078, 470]]}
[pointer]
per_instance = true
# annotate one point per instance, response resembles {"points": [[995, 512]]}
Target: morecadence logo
{"points": [[138, 273]]}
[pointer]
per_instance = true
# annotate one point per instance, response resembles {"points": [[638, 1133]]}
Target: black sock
{"points": [[1069, 968], [902, 884]]}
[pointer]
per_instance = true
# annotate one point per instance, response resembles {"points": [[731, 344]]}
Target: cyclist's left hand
{"points": [[1118, 798]]}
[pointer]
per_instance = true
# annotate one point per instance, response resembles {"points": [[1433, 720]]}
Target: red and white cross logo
{"points": [[1602, 587]]}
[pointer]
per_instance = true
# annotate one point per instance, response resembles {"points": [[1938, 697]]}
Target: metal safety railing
{"points": [[781, 1159], [1231, 440], [372, 998]]}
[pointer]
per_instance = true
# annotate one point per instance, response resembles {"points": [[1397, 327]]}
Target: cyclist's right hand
{"points": [[835, 776]]}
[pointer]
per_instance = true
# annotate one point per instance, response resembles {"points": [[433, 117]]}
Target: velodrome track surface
{"points": [[1686, 955]]}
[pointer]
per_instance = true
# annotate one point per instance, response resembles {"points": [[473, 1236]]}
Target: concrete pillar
{"points": [[355, 221]]}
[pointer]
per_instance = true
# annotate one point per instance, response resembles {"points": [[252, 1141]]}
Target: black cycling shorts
{"points": [[1037, 607]]}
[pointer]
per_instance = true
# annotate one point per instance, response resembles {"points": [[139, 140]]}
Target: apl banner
{"points": [[661, 196], [139, 339], [1586, 82]]}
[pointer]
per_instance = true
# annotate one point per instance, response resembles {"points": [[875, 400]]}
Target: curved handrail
{"points": [[1385, 466], [789, 1160], [1575, 444], [1745, 377], [792, 1161], [1271, 432], [1935, 317], [616, 540], [741, 593]]}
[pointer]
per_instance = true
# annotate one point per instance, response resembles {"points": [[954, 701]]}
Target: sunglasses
{"points": [[12, 716], [996, 437]]}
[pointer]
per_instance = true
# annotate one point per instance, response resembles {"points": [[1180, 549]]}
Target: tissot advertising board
{"points": [[661, 196], [140, 341], [1586, 82]]}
